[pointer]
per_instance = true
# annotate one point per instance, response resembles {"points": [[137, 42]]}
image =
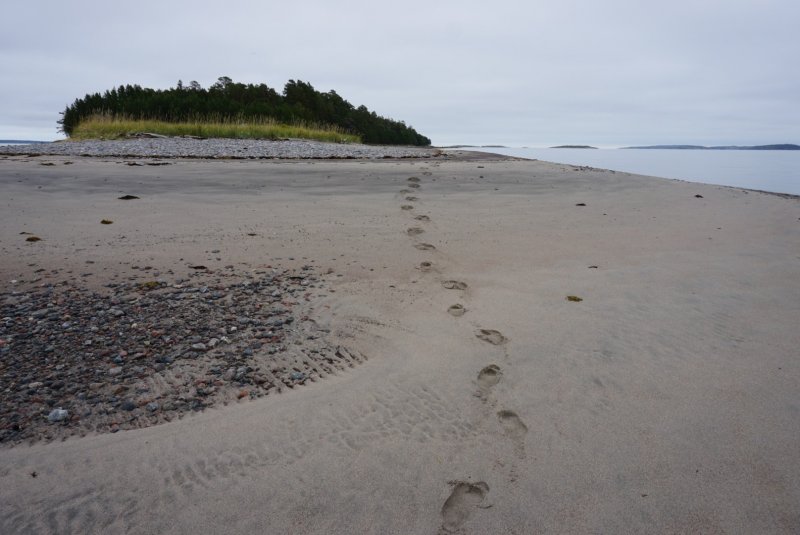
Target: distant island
{"points": [[782, 146], [234, 110], [573, 147], [19, 141]]}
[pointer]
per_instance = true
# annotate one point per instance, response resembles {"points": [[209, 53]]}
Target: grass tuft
{"points": [[114, 127]]}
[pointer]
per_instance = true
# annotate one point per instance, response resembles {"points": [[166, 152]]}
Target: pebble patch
{"points": [[142, 353]]}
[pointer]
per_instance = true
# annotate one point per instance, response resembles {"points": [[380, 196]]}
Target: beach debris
{"points": [[128, 197], [198, 266], [581, 204], [574, 298], [33, 238], [106, 221], [297, 376], [592, 267], [57, 415], [454, 285], [699, 196]]}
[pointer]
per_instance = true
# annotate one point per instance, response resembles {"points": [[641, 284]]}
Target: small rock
{"points": [[57, 415]]}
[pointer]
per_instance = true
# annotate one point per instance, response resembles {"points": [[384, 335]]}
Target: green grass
{"points": [[108, 127]]}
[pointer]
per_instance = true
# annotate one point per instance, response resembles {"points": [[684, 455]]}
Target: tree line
{"points": [[229, 100]]}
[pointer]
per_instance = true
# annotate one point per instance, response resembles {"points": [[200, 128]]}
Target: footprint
{"points": [[491, 336], [454, 285], [456, 310], [406, 207], [412, 199], [422, 218], [414, 179], [414, 231], [459, 505], [513, 426], [404, 191], [425, 266], [488, 377], [424, 246]]}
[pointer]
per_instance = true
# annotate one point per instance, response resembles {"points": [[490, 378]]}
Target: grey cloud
{"points": [[616, 72]]}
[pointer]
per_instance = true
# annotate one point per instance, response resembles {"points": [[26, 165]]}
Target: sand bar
{"points": [[664, 399]]}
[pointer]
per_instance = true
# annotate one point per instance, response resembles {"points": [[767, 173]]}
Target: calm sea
{"points": [[768, 170]]}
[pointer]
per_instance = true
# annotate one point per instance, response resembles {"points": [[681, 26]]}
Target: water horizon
{"points": [[775, 171]]}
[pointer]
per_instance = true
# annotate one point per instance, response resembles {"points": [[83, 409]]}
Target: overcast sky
{"points": [[535, 73]]}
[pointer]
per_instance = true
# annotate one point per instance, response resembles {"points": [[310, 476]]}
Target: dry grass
{"points": [[109, 127]]}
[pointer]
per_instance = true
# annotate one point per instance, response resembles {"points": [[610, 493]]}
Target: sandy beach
{"points": [[538, 348]]}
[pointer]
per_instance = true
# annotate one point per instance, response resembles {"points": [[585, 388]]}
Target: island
{"points": [[573, 147], [228, 109]]}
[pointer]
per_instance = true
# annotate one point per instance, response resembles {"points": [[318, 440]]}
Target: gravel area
{"points": [[74, 361], [218, 148]]}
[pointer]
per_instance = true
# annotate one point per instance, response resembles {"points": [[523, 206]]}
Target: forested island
{"points": [[782, 146], [573, 147], [227, 103]]}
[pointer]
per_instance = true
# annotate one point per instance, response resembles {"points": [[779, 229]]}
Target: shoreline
{"points": [[172, 147], [752, 170], [490, 400]]}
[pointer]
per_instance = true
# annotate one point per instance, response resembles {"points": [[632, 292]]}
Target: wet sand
{"points": [[661, 399]]}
